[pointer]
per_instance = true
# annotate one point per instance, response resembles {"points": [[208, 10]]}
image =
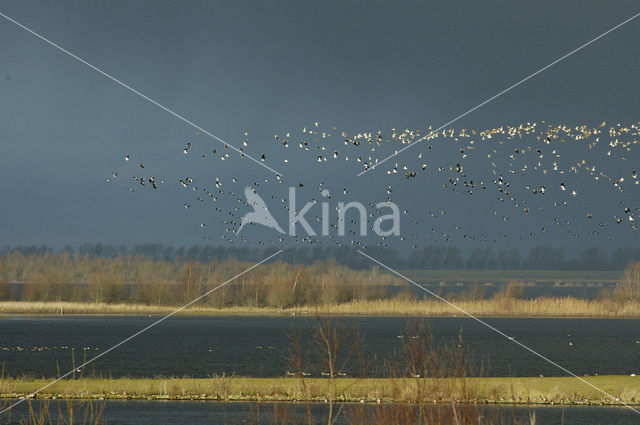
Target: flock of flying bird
{"points": [[556, 172]]}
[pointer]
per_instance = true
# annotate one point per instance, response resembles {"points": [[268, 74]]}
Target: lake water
{"points": [[257, 346], [202, 346], [176, 413]]}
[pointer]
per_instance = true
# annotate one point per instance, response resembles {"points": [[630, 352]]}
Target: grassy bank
{"points": [[496, 307], [551, 390]]}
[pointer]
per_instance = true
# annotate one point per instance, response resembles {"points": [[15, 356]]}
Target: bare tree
{"points": [[297, 354], [335, 344]]}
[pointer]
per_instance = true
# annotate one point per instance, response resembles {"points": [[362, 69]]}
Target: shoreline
{"points": [[565, 307], [489, 390]]}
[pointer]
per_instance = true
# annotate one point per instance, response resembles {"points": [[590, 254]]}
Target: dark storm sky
{"points": [[272, 67]]}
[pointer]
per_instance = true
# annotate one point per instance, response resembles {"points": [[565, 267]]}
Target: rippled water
{"points": [[175, 413], [257, 346]]}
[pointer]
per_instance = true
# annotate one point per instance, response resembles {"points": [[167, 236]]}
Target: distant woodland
{"points": [[160, 275], [430, 257]]}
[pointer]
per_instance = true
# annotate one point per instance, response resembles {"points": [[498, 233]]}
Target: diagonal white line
{"points": [[500, 333], [501, 93], [114, 79], [91, 360]]}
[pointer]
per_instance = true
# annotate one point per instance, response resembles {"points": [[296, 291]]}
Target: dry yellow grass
{"points": [[500, 307], [496, 307], [563, 390], [64, 308]]}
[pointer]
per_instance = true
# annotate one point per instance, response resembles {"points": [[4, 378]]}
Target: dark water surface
{"points": [[257, 346], [176, 413]]}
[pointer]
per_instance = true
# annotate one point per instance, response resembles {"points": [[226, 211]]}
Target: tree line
{"points": [[136, 278], [140, 279], [429, 257]]}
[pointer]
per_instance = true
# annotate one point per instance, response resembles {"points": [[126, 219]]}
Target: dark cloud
{"points": [[273, 67]]}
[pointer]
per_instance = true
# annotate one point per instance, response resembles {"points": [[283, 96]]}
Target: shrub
{"points": [[513, 290], [5, 292], [630, 286]]}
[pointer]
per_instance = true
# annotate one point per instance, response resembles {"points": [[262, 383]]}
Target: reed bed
{"points": [[494, 307]]}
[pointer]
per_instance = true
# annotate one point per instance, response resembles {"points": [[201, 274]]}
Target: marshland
{"points": [[74, 283], [267, 338], [336, 212]]}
